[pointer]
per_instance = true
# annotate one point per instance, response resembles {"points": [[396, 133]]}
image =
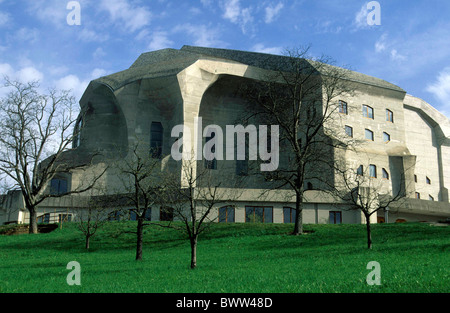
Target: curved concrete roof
{"points": [[167, 62]]}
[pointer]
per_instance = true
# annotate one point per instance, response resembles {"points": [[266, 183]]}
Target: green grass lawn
{"points": [[232, 258]]}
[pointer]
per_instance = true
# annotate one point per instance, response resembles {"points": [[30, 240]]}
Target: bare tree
{"points": [[300, 95], [36, 130], [90, 221], [139, 174], [363, 189], [193, 198]]}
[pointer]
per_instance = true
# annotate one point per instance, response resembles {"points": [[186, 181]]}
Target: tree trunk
{"points": [[298, 226], [369, 235], [140, 231], [33, 221], [88, 237], [194, 252]]}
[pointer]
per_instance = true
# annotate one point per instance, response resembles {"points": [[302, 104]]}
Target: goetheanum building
{"points": [[406, 141]]}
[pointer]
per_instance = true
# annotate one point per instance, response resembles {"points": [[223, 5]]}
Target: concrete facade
{"points": [[169, 87]]}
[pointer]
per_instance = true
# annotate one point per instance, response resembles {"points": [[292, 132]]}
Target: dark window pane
{"points": [[268, 216]]}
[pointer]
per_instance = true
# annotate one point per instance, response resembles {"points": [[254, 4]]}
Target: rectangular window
{"points": [[367, 111], [289, 215], [156, 140], [166, 214], [415, 178], [58, 186], [335, 217], [211, 164], [369, 134], [386, 137], [428, 181], [46, 218], [430, 198], [343, 107], [64, 218], [373, 171], [389, 116], [226, 214], [417, 195], [360, 170], [349, 130], [258, 214], [385, 174]]}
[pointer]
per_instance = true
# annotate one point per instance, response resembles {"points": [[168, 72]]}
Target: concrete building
{"points": [[407, 141]]}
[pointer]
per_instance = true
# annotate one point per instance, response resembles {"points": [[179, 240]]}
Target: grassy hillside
{"points": [[231, 258]]}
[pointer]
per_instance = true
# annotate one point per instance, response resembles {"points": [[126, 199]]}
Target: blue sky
{"points": [[410, 47]]}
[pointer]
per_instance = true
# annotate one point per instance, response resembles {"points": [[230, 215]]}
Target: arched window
{"points": [[77, 133], [156, 139]]}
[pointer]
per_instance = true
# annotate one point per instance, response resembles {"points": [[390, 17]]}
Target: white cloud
{"points": [[380, 45], [130, 16], [159, 41], [203, 35], [4, 18], [361, 17], [395, 56], [271, 50], [235, 14], [441, 88], [88, 35], [25, 74], [273, 12]]}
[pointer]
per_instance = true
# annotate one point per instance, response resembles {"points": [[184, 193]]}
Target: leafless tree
{"points": [[300, 95], [193, 199], [140, 183], [36, 131], [92, 219], [363, 189]]}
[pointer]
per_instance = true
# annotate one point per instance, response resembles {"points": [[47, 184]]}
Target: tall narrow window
{"points": [[373, 171], [211, 164], [385, 174], [369, 134], [386, 137], [367, 111], [77, 133], [389, 116], [242, 165], [428, 181], [430, 197], [343, 107], [289, 215], [156, 139], [417, 195], [360, 170], [349, 130]]}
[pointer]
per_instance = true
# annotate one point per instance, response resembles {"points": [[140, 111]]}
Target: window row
{"points": [[373, 171], [368, 134], [427, 180], [430, 197], [367, 111]]}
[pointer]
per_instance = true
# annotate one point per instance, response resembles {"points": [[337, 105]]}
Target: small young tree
{"points": [[91, 220], [362, 189], [139, 175], [35, 132], [193, 198]]}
